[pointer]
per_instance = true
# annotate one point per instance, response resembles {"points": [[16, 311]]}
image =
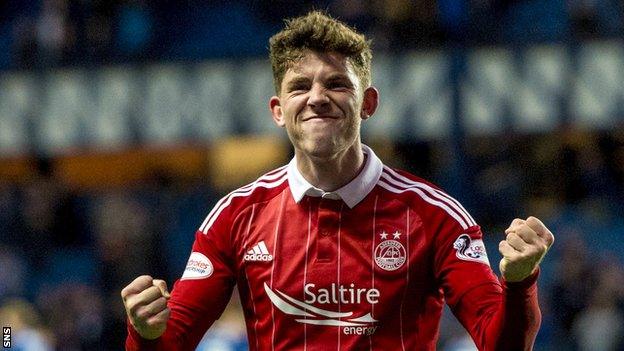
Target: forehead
{"points": [[314, 63]]}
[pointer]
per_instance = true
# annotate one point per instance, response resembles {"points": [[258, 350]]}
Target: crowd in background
{"points": [[65, 254], [48, 33]]}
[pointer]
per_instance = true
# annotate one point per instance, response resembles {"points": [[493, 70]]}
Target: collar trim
{"points": [[352, 193]]}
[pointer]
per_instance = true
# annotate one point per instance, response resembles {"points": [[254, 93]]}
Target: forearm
{"points": [[515, 325], [508, 320]]}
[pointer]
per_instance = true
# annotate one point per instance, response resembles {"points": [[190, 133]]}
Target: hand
{"points": [[524, 248], [145, 300]]}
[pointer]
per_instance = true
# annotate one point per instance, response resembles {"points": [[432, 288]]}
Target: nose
{"points": [[318, 97]]}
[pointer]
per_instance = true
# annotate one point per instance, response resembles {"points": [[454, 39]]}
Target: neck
{"points": [[331, 173]]}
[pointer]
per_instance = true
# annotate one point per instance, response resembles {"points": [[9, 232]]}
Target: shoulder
{"points": [[262, 189], [398, 177], [425, 197]]}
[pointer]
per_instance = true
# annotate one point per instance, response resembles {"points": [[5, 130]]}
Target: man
{"points": [[336, 250]]}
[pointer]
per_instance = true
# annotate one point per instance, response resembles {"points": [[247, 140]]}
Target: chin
{"points": [[320, 148], [325, 148]]}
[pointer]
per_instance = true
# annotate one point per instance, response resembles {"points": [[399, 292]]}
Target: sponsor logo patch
{"points": [[258, 252], [469, 249], [306, 313], [197, 267]]}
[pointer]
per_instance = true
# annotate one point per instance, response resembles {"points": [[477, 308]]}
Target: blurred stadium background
{"points": [[122, 122]]}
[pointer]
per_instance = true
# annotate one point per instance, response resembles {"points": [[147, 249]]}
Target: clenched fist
{"points": [[145, 300], [524, 248]]}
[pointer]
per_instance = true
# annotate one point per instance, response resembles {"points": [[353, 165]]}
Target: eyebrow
{"points": [[298, 80], [338, 76]]}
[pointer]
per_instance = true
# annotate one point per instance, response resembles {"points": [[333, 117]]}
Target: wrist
{"points": [[523, 284], [134, 334]]}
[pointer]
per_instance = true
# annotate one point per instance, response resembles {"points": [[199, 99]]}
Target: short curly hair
{"points": [[319, 32]]}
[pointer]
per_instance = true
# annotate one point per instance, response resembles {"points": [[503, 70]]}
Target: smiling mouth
{"points": [[319, 118]]}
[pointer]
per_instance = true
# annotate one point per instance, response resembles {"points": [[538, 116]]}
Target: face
{"points": [[321, 104]]}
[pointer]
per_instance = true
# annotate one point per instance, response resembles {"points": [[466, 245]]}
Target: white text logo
{"points": [[306, 313], [340, 293], [258, 252]]}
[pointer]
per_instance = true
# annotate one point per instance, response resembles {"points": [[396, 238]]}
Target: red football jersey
{"points": [[366, 267]]}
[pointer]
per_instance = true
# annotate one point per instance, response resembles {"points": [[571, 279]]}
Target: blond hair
{"points": [[319, 32]]}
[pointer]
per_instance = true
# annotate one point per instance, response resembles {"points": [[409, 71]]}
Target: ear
{"points": [[276, 111], [369, 102]]}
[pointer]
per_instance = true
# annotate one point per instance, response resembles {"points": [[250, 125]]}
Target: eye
{"points": [[298, 88], [338, 85]]}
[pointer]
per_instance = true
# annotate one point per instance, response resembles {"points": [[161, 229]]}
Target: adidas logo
{"points": [[258, 252]]}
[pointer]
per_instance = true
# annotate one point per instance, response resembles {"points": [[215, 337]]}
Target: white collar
{"points": [[352, 193]]}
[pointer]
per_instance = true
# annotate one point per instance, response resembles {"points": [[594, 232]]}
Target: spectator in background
{"points": [[6, 42], [274, 11], [54, 35], [48, 215], [13, 272], [531, 21], [356, 12], [9, 212], [495, 177], [74, 313], [98, 36], [403, 24], [593, 18], [24, 43], [134, 29], [455, 19], [600, 326], [27, 332], [126, 247], [612, 147], [571, 289]]}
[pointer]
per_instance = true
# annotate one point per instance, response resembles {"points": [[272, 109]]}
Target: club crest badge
{"points": [[469, 249], [390, 254]]}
